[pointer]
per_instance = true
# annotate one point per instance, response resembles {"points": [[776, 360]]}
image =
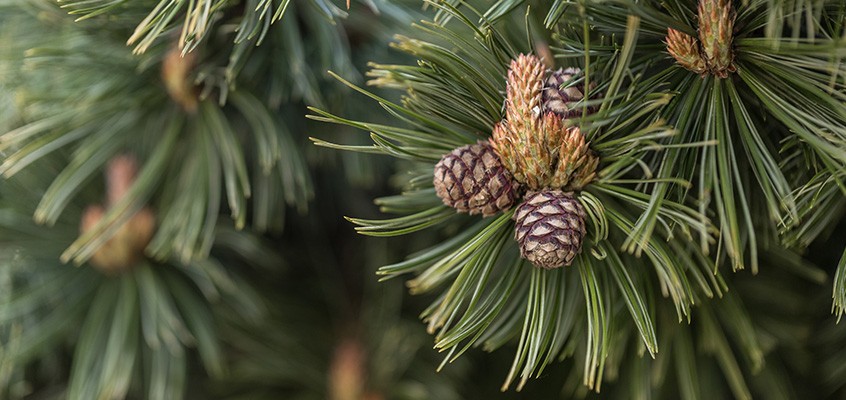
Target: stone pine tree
{"points": [[590, 199]]}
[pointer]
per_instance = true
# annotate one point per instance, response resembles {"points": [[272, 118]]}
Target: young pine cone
{"points": [[550, 228], [539, 147], [472, 179], [561, 91], [126, 247], [685, 50], [716, 31]]}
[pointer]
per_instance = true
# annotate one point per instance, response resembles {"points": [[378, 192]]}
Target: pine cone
{"points": [[685, 49], [472, 179], [562, 90], [574, 162], [519, 139], [123, 250], [538, 147], [716, 29], [550, 228], [526, 155], [126, 247], [523, 92]]}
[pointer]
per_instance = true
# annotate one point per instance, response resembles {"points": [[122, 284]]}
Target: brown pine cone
{"points": [[472, 179], [561, 100], [550, 228]]}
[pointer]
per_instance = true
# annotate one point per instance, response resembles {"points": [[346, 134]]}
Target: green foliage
{"points": [[129, 333], [199, 16], [797, 81], [242, 149], [314, 337], [488, 295], [822, 204], [235, 29], [696, 175], [666, 139]]}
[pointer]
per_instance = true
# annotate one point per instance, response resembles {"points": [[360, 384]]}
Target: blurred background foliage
{"points": [[254, 287]]}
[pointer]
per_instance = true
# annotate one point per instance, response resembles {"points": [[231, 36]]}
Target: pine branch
{"points": [[198, 18], [795, 79], [148, 316], [487, 295], [90, 124]]}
